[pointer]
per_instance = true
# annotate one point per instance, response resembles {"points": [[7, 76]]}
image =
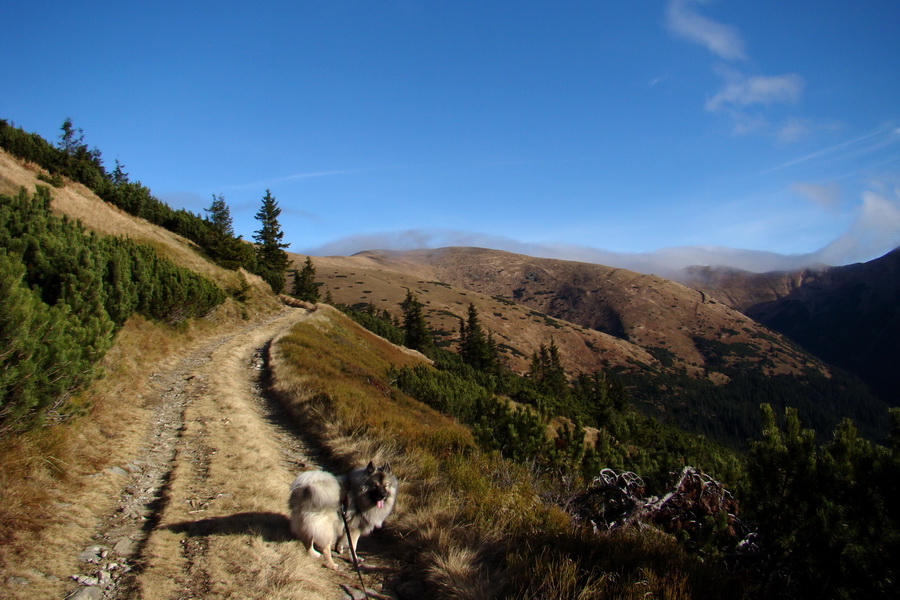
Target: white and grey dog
{"points": [[367, 496]]}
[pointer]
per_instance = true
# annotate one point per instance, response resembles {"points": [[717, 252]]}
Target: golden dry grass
{"points": [[79, 203], [457, 508], [519, 330], [54, 482], [473, 524]]}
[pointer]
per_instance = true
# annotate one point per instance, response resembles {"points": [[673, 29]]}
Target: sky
{"points": [[646, 134]]}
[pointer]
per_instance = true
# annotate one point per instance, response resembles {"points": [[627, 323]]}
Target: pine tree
{"points": [[477, 349], [272, 260], [548, 374], [415, 329], [70, 138], [218, 214], [305, 286], [119, 176]]}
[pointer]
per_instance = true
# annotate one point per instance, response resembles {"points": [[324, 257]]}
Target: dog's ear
{"points": [[386, 468], [370, 468]]}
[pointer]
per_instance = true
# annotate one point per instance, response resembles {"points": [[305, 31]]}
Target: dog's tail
{"points": [[315, 490]]}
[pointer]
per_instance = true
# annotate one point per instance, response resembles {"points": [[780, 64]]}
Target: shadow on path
{"points": [[272, 527]]}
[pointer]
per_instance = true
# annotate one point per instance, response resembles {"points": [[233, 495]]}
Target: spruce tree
{"points": [[305, 287], [416, 333], [70, 138], [119, 176], [272, 260], [477, 349], [218, 214]]}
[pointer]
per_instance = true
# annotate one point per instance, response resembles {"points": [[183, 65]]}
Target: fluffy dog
{"points": [[366, 495]]}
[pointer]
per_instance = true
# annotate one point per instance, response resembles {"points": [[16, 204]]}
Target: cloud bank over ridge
{"points": [[874, 232]]}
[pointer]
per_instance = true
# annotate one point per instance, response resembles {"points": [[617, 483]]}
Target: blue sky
{"points": [[642, 133]]}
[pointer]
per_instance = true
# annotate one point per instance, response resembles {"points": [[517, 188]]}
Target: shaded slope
{"points": [[848, 316]]}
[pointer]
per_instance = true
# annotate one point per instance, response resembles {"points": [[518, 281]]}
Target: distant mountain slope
{"points": [[687, 357], [519, 330], [666, 319], [848, 316]]}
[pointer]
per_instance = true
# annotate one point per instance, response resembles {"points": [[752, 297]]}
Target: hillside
{"points": [[848, 316], [154, 488], [688, 357], [166, 476]]}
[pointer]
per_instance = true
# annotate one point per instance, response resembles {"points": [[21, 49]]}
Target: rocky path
{"points": [[203, 511]]}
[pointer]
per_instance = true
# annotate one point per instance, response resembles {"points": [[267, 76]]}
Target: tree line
{"points": [[71, 158]]}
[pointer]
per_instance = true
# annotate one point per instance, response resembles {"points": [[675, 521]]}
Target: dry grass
{"points": [[457, 507], [54, 481], [79, 203], [471, 525], [519, 329]]}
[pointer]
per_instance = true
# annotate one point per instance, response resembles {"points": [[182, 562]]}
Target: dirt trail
{"points": [[203, 511]]}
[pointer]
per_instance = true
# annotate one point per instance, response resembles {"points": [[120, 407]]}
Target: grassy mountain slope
{"points": [[519, 329], [689, 358], [640, 315], [471, 524], [78, 203]]}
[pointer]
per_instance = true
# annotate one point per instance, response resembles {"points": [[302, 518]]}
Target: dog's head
{"points": [[379, 486]]}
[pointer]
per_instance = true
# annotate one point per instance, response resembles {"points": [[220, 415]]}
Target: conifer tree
{"points": [[272, 260], [415, 329], [119, 176], [477, 349], [218, 214], [548, 373], [70, 138], [305, 286]]}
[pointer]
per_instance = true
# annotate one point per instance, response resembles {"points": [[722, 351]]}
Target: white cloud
{"points": [[722, 40], [744, 97], [875, 231], [827, 197], [793, 130], [742, 91]]}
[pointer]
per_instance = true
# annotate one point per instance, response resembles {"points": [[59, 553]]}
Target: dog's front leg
{"points": [[326, 551]]}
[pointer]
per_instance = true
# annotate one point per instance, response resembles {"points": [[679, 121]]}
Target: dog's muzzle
{"points": [[378, 496]]}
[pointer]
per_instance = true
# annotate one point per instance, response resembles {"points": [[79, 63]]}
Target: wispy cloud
{"points": [[743, 98], [863, 144], [722, 40], [742, 91], [826, 197], [265, 183], [875, 230]]}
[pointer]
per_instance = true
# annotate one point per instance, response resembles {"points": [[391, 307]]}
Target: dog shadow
{"points": [[272, 527]]}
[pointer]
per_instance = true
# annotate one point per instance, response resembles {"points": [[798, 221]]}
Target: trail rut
{"points": [[203, 511]]}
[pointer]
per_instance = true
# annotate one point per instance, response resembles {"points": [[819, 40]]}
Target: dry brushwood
{"points": [[695, 506]]}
